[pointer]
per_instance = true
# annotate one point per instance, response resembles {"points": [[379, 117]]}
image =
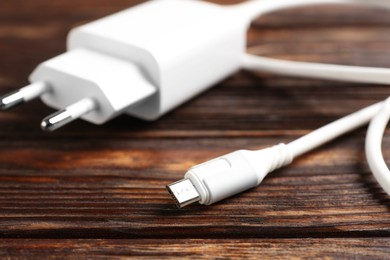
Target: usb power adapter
{"points": [[143, 61]]}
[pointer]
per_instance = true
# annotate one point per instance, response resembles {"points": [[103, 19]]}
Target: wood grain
{"points": [[98, 191], [198, 249]]}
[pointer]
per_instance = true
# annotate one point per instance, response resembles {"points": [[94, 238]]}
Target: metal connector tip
{"points": [[56, 120], [183, 192], [69, 114], [23, 95], [11, 100]]}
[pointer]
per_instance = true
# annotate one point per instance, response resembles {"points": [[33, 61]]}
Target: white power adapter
{"points": [[149, 59], [143, 61]]}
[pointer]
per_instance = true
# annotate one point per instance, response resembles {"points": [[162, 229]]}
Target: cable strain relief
{"points": [[282, 156]]}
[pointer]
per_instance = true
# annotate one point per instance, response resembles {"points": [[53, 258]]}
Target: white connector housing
{"points": [[236, 172]]}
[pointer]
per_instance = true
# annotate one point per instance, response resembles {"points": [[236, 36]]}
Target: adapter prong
{"points": [[67, 115], [23, 95]]}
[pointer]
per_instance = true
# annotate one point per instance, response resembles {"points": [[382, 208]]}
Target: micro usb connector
{"points": [[183, 192], [228, 175]]}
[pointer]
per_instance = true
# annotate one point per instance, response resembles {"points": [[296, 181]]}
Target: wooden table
{"points": [[98, 191]]}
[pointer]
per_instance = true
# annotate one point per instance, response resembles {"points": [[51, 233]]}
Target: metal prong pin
{"points": [[67, 115], [23, 95]]}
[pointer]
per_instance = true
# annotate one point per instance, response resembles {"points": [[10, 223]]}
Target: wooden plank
{"points": [[114, 188], [198, 249]]}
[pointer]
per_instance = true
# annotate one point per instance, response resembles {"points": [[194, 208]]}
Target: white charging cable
{"points": [[374, 154], [230, 174]]}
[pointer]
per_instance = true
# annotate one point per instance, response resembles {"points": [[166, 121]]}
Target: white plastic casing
{"points": [[182, 46], [233, 173], [82, 73], [223, 177]]}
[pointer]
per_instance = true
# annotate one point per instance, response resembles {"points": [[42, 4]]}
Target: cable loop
{"points": [[373, 146]]}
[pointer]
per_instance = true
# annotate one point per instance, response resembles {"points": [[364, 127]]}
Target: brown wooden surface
{"points": [[99, 191]]}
